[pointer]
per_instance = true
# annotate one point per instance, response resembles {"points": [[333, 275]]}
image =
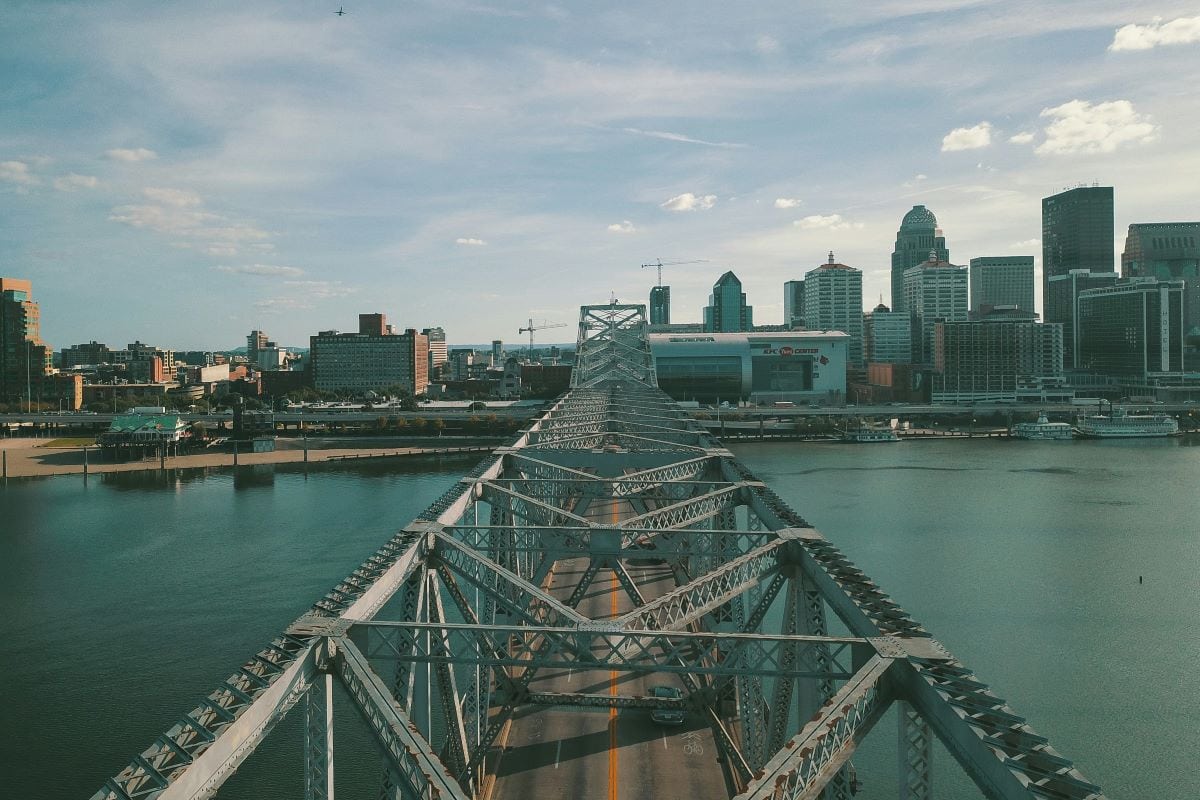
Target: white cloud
{"points": [[179, 198], [266, 270], [968, 138], [136, 154], [1028, 244], [1185, 30], [1080, 127], [829, 222], [689, 202], [624, 226], [679, 137], [322, 290], [176, 213], [70, 182], [766, 45], [17, 172], [786, 202], [1024, 137], [470, 241]]}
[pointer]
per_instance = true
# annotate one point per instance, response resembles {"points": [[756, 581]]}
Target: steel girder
{"points": [[409, 755], [685, 605], [604, 646], [811, 759]]}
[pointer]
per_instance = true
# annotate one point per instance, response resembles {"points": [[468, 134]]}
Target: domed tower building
{"points": [[916, 240]]}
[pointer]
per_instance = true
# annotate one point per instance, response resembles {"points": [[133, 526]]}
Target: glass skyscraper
{"points": [[660, 305], [917, 239], [1001, 281], [727, 311], [1077, 232], [1167, 250]]}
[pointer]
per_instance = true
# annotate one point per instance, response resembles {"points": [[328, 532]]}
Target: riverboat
{"points": [[1120, 424], [1042, 429], [868, 435]]}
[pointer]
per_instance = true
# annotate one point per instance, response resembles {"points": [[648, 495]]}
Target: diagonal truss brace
{"points": [[802, 769]]}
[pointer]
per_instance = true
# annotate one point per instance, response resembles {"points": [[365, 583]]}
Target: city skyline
{"points": [[181, 175]]}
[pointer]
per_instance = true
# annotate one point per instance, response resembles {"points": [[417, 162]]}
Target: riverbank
{"points": [[31, 458]]}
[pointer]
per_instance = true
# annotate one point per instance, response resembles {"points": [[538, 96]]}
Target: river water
{"points": [[131, 596]]}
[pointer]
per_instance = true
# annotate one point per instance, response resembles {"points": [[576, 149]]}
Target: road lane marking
{"points": [[664, 738], [558, 754]]}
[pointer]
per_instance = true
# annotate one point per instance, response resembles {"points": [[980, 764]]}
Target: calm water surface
{"points": [[131, 597]]}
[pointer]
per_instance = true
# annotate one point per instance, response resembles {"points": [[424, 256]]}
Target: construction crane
{"points": [[543, 326], [659, 264]]}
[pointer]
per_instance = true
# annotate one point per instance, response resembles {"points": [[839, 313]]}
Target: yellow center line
{"points": [[612, 691]]}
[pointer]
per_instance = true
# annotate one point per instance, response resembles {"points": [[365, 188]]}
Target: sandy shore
{"points": [[32, 457]]}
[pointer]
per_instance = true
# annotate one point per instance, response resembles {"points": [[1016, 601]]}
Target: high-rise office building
{"points": [[1001, 281], [438, 354], [256, 341], [916, 242], [1077, 232], [1167, 250], [362, 361], [934, 291], [373, 324], [24, 358], [727, 311], [887, 336], [497, 359], [1062, 305], [833, 302], [1133, 330], [84, 354], [660, 305], [793, 304], [988, 359]]}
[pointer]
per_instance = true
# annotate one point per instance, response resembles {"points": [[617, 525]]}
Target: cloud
{"points": [[136, 154], [829, 222], [766, 45], [266, 270], [17, 172], [177, 213], [471, 242], [1185, 30], [968, 138], [179, 198], [71, 182], [786, 202], [1028, 243], [624, 226], [1024, 137], [689, 202], [1080, 127], [679, 137], [322, 289]]}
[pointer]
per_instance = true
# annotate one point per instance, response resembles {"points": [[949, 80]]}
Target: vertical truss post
{"points": [[412, 604], [916, 754], [318, 740]]}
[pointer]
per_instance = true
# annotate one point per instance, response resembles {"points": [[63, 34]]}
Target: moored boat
{"points": [[1120, 424], [1042, 429], [867, 434]]}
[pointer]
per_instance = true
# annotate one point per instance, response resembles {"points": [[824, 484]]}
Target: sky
{"points": [[182, 173]]}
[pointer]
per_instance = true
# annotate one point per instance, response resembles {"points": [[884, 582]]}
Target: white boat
{"points": [[1042, 429], [864, 435], [1122, 425]]}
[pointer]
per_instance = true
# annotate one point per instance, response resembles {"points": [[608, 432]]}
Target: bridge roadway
{"points": [[607, 754]]}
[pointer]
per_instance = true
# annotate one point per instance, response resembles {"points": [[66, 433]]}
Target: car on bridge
{"points": [[668, 716]]}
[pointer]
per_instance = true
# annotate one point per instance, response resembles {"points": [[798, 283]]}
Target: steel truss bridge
{"points": [[459, 631]]}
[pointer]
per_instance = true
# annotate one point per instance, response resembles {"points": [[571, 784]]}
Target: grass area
{"points": [[71, 441]]}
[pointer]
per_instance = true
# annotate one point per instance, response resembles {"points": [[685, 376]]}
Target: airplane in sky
{"points": [[341, 12]]}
